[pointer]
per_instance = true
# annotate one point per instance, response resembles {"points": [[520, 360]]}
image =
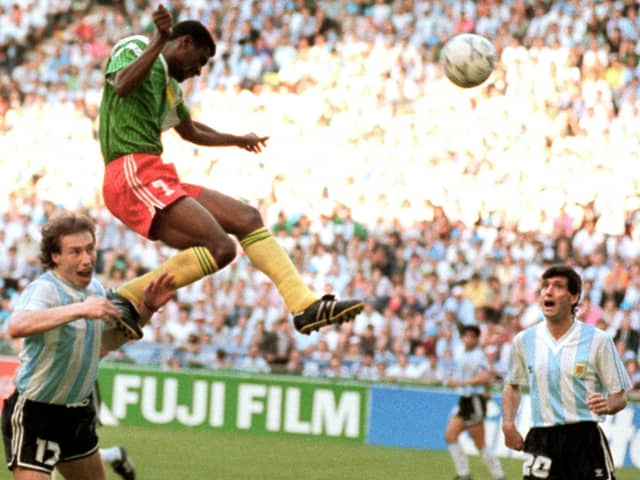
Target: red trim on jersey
{"points": [[136, 186]]}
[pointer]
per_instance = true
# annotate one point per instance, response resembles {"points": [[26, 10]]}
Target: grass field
{"points": [[189, 455]]}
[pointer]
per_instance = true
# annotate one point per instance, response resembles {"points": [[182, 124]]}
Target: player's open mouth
{"points": [[549, 303]]}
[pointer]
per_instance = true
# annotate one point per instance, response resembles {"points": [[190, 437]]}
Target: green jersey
{"points": [[134, 124]]}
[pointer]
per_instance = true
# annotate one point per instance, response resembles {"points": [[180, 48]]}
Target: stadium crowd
{"points": [[437, 205]]}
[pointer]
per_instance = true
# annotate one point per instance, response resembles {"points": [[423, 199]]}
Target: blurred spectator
{"points": [[336, 369], [587, 312], [253, 362], [278, 344], [402, 369], [221, 360], [180, 329], [369, 316], [633, 369], [628, 336], [294, 363], [366, 369]]}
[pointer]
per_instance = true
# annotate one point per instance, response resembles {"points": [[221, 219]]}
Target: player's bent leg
{"points": [[265, 253], [186, 225], [235, 217], [476, 431], [309, 312], [20, 473], [455, 427], [83, 468]]}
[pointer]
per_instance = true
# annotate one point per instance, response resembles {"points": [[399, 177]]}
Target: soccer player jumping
{"points": [[575, 377], [141, 98]]}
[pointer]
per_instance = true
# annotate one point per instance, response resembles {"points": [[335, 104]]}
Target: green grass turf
{"points": [[162, 454]]}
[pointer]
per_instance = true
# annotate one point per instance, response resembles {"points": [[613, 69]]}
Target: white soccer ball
{"points": [[468, 59]]}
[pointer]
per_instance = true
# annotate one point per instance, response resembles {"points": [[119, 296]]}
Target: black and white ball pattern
{"points": [[468, 59]]}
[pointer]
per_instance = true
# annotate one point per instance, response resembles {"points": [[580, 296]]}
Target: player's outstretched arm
{"points": [[201, 134], [510, 402], [24, 323], [130, 77]]}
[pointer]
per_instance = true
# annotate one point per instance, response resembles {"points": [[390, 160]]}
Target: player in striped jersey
{"points": [[471, 378], [575, 377], [141, 98], [49, 421]]}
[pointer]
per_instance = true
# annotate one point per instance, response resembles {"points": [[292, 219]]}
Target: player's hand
{"points": [[512, 438], [453, 383], [163, 21], [597, 403], [159, 291], [99, 308], [253, 143]]}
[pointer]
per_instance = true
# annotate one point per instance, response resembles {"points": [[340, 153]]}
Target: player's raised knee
{"points": [[223, 252], [250, 218]]}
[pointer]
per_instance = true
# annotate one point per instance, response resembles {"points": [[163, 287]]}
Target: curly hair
{"points": [[63, 223]]}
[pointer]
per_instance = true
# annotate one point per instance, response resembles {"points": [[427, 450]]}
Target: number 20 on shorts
{"points": [[536, 466]]}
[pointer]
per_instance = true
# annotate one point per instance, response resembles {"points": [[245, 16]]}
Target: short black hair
{"points": [[574, 281], [197, 31], [475, 329]]}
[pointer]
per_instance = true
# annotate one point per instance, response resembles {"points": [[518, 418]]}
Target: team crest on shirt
{"points": [[581, 369]]}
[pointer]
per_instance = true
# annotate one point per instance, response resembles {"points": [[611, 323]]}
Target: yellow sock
{"points": [[187, 266], [269, 257]]}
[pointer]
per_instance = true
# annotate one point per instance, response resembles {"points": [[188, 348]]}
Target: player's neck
{"points": [[557, 328]]}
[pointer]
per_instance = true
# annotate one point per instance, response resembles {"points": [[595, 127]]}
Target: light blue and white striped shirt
{"points": [[562, 373], [60, 365], [467, 366]]}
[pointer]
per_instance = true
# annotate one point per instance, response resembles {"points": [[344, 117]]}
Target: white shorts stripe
{"points": [[16, 426], [17, 420], [607, 455], [137, 187]]}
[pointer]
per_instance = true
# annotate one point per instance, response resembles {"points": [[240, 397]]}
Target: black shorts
{"points": [[472, 409], [39, 435], [576, 451]]}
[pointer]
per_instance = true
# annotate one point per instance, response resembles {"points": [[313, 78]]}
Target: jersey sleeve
{"points": [[610, 369], [517, 370], [39, 295], [123, 53]]}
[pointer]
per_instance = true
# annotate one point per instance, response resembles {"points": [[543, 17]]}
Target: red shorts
{"points": [[136, 186]]}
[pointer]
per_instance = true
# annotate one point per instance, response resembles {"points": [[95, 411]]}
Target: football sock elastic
{"points": [[492, 463], [111, 454], [269, 257], [186, 266], [460, 459]]}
